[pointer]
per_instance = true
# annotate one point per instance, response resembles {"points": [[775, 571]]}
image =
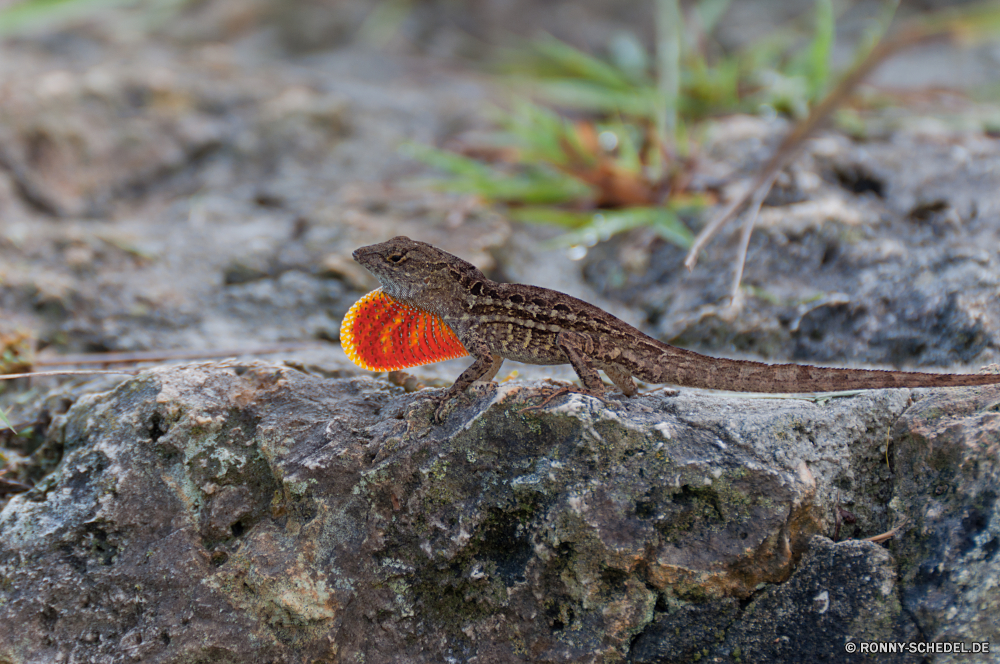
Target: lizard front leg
{"points": [[484, 368]]}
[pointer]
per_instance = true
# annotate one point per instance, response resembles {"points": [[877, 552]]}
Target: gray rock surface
{"points": [[254, 512], [840, 593], [946, 456], [881, 252]]}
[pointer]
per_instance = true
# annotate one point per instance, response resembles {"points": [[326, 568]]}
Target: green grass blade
{"points": [[639, 102], [710, 90], [630, 57], [550, 216], [875, 30], [608, 223], [709, 13], [668, 63], [668, 226], [536, 184], [31, 14], [6, 422], [539, 133], [628, 157], [447, 161], [818, 56], [576, 63]]}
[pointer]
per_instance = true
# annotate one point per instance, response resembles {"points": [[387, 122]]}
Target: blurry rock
{"points": [[81, 140], [347, 269]]}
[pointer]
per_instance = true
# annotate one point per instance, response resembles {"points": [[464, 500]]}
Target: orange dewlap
{"points": [[383, 334]]}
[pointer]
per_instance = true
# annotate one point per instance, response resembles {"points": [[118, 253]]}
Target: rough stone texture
{"points": [[840, 592], [947, 460], [253, 512]]}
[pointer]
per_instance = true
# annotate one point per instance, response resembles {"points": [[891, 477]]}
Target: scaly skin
{"points": [[497, 321]]}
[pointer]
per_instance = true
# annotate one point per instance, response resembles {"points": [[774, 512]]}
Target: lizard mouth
{"points": [[363, 256]]}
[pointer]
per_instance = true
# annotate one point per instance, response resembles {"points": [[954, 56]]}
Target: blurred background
{"points": [[194, 174]]}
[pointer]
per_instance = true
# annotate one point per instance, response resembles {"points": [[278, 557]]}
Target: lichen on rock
{"points": [[251, 510]]}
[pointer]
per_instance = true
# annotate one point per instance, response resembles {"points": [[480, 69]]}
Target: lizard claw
{"points": [[568, 389], [443, 406], [439, 412], [449, 396]]}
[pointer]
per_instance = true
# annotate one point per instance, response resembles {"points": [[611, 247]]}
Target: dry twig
{"points": [[887, 534], [913, 33]]}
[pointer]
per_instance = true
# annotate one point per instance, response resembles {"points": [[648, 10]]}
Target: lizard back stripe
{"points": [[380, 333]]}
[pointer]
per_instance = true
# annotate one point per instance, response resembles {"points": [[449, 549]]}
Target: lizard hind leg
{"points": [[622, 380], [577, 348], [491, 373]]}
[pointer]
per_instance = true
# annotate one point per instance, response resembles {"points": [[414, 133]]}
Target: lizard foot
{"points": [[569, 389], [446, 399], [441, 410]]}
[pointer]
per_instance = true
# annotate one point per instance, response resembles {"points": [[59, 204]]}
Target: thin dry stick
{"points": [[145, 356], [793, 142], [165, 355], [748, 224], [87, 372], [887, 534]]}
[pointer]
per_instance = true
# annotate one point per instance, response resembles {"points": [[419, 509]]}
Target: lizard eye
{"points": [[396, 258]]}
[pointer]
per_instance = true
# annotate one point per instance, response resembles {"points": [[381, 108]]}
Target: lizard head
{"points": [[412, 271]]}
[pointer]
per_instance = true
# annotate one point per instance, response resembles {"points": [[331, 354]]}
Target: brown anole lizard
{"points": [[434, 306]]}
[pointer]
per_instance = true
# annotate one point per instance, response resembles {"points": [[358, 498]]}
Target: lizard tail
{"points": [[683, 367]]}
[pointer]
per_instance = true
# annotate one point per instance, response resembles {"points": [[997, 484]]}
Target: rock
{"points": [[842, 592], [156, 192], [252, 512], [946, 452], [880, 254]]}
